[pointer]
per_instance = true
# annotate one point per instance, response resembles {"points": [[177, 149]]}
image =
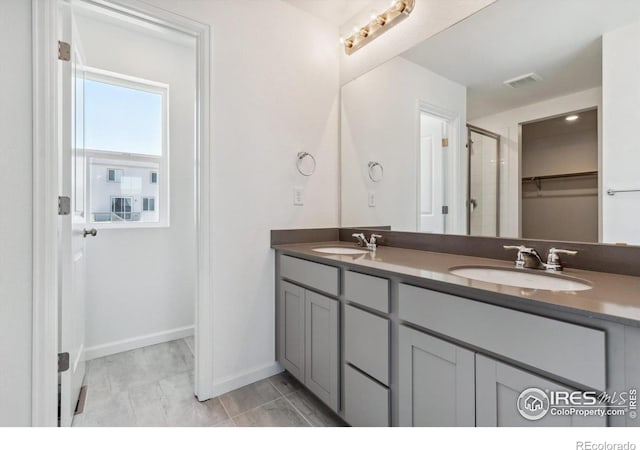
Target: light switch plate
{"points": [[372, 199], [298, 196]]}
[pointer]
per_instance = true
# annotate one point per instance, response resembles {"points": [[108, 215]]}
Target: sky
{"points": [[122, 119]]}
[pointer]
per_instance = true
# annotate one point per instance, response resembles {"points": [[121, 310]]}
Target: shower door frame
{"points": [[482, 131]]}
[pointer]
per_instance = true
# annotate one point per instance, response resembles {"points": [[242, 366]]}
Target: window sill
{"points": [[128, 226]]}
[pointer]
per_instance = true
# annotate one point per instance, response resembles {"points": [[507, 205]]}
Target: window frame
{"points": [[105, 157]]}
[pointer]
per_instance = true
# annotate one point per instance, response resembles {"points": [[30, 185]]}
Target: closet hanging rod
{"points": [[562, 175]]}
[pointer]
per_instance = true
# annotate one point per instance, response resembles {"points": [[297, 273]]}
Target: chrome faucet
{"points": [[371, 244], [529, 258], [553, 259]]}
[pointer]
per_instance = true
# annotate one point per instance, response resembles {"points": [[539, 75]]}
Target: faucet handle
{"points": [[553, 258], [555, 251], [521, 251], [520, 248], [362, 240]]}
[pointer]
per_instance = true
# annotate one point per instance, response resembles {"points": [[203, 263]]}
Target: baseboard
{"points": [[237, 381], [79, 358], [124, 345]]}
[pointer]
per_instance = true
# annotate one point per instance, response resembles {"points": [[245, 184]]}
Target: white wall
{"points": [[428, 18], [142, 281], [507, 125], [16, 216], [380, 122], [275, 92], [621, 156]]}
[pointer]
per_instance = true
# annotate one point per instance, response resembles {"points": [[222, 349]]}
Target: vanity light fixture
{"points": [[379, 23], [572, 118]]}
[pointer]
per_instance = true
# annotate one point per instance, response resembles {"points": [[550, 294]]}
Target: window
{"points": [[121, 208], [115, 175], [148, 204], [125, 140]]}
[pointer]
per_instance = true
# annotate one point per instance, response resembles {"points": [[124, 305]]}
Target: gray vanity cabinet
{"points": [[321, 347], [436, 382], [291, 318], [498, 386], [308, 340]]}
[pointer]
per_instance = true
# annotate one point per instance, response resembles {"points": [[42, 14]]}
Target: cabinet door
{"points": [[436, 382], [291, 329], [498, 387], [321, 347]]}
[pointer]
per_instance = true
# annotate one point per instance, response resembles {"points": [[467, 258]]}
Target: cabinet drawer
{"points": [[367, 290], [366, 403], [570, 351], [367, 343], [318, 276]]}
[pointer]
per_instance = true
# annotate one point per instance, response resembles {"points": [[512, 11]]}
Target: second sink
{"points": [[524, 278]]}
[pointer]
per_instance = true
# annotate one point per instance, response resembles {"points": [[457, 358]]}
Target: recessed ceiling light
{"points": [[572, 118]]}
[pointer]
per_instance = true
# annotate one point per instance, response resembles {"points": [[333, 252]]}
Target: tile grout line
{"points": [[298, 411], [225, 408], [284, 396], [253, 409]]}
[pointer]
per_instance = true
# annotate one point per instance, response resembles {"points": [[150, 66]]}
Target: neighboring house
{"points": [[123, 191]]}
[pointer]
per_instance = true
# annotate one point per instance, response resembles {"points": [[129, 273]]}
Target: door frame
{"points": [[46, 160]]}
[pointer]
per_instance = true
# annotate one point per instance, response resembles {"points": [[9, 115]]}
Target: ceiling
{"points": [[587, 120], [336, 12], [558, 39]]}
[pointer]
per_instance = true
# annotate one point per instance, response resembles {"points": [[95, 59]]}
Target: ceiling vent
{"points": [[523, 80]]}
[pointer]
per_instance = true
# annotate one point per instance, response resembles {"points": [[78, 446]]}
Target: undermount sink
{"points": [[524, 278], [340, 250]]}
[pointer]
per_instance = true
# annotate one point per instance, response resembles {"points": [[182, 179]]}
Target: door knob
{"points": [[91, 232]]}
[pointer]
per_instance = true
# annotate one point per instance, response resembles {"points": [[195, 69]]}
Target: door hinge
{"points": [[64, 51], [63, 362], [445, 142], [64, 206], [445, 210]]}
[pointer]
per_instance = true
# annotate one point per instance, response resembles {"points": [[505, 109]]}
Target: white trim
{"points": [[124, 345], [44, 383], [44, 398], [79, 358], [244, 378], [124, 80]]}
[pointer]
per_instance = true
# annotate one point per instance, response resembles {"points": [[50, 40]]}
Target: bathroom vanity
{"points": [[390, 337]]}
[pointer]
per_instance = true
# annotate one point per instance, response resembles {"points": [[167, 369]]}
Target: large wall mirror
{"points": [[519, 121]]}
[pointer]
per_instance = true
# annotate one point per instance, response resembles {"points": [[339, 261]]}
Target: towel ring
{"points": [[307, 169], [376, 171]]}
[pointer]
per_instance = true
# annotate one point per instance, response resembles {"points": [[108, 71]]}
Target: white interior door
{"points": [[431, 169], [71, 239]]}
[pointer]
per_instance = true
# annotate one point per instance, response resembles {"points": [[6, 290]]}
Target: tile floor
{"points": [[153, 386]]}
